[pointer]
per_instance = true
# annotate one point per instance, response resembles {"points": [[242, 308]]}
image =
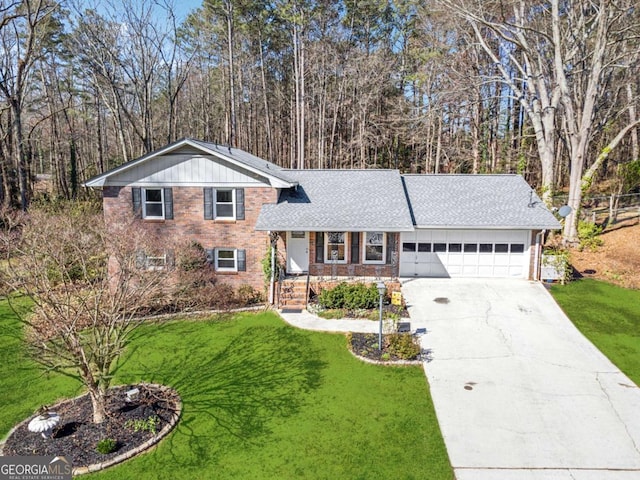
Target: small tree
{"points": [[86, 288]]}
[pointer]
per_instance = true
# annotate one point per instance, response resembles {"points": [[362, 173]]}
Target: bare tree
{"points": [[86, 289], [564, 52], [24, 27]]}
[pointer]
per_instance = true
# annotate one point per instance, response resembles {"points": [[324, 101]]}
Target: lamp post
{"points": [[381, 290]]}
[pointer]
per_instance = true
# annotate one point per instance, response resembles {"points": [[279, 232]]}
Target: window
{"points": [[502, 248], [470, 247], [455, 247], [440, 247], [486, 248], [517, 247], [155, 260], [408, 247], [157, 263], [336, 247], [153, 203], [374, 247], [424, 247], [225, 205], [226, 260]]}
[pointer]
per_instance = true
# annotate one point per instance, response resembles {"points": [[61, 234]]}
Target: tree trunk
{"points": [[98, 403]]}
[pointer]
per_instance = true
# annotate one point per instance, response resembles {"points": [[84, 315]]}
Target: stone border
{"points": [[173, 421], [383, 362]]}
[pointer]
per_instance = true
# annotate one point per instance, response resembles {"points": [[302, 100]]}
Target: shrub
{"points": [[402, 345], [350, 296], [192, 257], [589, 235], [149, 424], [247, 295], [106, 446]]}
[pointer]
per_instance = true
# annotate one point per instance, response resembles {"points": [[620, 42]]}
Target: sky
{"points": [[184, 7]]}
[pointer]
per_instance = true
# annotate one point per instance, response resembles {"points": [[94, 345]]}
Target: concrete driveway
{"points": [[518, 391]]}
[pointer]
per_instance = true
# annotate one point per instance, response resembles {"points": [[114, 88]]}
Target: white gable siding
{"points": [[186, 170]]}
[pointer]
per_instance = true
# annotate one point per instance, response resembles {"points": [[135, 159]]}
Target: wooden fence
{"points": [[606, 209]]}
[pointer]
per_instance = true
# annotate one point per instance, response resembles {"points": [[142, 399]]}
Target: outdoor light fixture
{"points": [[381, 289]]}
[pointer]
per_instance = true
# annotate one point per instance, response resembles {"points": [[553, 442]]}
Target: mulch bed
{"points": [[365, 345], [76, 436]]}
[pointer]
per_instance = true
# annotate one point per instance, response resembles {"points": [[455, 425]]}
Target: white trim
{"points": [[161, 265], [233, 203], [364, 249], [235, 260], [327, 258], [143, 201]]}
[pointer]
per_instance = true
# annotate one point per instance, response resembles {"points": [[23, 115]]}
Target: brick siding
{"points": [[188, 225]]}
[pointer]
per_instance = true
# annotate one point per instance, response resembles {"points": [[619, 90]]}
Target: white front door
{"points": [[297, 252]]}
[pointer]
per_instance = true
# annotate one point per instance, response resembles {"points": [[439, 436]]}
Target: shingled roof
{"points": [[478, 201], [340, 200]]}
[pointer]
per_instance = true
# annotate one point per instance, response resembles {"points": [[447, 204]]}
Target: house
{"points": [[351, 223]]}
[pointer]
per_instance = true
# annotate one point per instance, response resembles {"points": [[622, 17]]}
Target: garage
{"points": [[465, 253]]}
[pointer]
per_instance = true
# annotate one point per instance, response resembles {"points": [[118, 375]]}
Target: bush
{"points": [[247, 295], [588, 234], [402, 345], [149, 424], [106, 446], [351, 296], [192, 257]]}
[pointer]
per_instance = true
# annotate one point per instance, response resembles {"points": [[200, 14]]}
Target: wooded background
{"points": [[548, 89]]}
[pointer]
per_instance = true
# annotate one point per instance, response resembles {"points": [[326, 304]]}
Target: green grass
{"points": [[609, 316], [23, 385], [261, 401]]}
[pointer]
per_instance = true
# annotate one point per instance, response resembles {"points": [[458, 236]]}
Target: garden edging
{"points": [[126, 455]]}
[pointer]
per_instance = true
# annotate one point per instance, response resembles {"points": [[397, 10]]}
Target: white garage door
{"points": [[465, 253]]}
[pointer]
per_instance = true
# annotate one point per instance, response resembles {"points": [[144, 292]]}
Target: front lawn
{"points": [[609, 316], [261, 400]]}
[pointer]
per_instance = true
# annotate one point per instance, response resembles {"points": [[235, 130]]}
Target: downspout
{"points": [[538, 256], [272, 280]]}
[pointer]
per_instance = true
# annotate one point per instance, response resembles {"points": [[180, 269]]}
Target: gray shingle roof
{"points": [[340, 200], [490, 201]]}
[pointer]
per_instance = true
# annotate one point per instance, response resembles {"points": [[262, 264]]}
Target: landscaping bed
{"points": [[396, 347], [129, 424]]}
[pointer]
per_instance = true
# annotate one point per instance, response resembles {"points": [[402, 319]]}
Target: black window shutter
{"points": [[239, 203], [391, 246], [168, 204], [355, 247], [208, 203], [242, 260], [136, 194], [319, 247], [210, 253]]}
